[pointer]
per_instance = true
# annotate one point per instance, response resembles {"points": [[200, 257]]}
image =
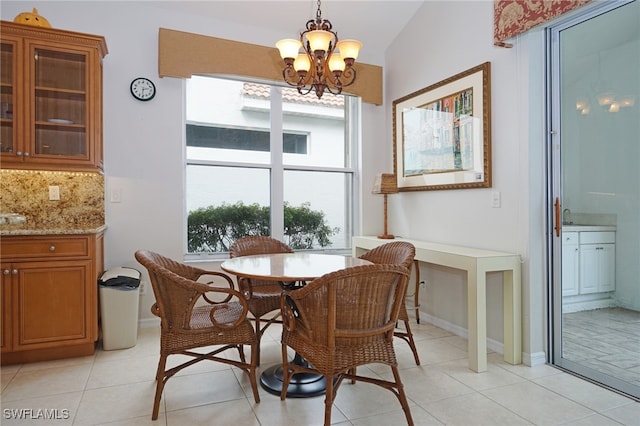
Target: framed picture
{"points": [[442, 134]]}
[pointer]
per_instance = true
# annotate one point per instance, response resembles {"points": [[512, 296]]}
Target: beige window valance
{"points": [[182, 54]]}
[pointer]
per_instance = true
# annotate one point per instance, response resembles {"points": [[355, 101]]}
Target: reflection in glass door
{"points": [[595, 113]]}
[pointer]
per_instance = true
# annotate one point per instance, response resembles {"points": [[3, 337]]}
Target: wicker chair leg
{"points": [[252, 372], [401, 395], [328, 401], [159, 386], [241, 353], [411, 342], [259, 337], [286, 373]]}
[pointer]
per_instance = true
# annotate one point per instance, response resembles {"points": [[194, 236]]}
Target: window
{"points": [[250, 147]]}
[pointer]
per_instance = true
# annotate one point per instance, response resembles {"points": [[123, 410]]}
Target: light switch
{"points": [[496, 199], [54, 193]]}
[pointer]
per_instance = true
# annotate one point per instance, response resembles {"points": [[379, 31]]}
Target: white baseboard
{"points": [[588, 305], [148, 322], [538, 358]]}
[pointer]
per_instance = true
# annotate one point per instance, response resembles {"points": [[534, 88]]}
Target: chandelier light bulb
{"points": [[615, 107], [582, 103], [289, 48], [627, 101], [319, 40], [336, 63], [302, 63], [606, 98], [349, 48]]}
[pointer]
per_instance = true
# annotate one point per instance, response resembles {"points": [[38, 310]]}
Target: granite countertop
{"points": [[24, 229]]}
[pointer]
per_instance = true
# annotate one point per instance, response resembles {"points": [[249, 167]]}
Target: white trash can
{"points": [[119, 290]]}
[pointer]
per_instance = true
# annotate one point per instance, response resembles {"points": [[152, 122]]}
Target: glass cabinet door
{"points": [[59, 104], [7, 96]]}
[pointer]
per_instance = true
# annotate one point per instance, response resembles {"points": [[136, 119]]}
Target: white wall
{"points": [[443, 39], [143, 143]]}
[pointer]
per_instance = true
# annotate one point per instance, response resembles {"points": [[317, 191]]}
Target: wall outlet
{"points": [[54, 193]]}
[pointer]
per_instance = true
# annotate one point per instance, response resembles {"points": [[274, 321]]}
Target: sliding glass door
{"points": [[594, 69]]}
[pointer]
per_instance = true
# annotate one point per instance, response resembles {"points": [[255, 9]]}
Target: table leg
{"points": [[301, 385], [512, 317], [477, 320], [416, 299]]}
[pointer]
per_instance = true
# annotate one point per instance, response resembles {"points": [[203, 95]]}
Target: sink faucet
{"points": [[566, 216]]}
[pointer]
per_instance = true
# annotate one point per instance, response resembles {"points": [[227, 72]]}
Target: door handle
{"points": [[558, 219]]}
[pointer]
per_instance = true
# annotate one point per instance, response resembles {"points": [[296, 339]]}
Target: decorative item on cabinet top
{"points": [[32, 18]]}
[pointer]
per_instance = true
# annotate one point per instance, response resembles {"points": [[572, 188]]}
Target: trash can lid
{"points": [[121, 277]]}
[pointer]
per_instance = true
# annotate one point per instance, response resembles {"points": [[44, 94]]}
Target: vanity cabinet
{"points": [[51, 98], [570, 264], [597, 262], [49, 296], [588, 262]]}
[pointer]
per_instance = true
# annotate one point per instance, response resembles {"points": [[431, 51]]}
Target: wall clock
{"points": [[143, 89]]}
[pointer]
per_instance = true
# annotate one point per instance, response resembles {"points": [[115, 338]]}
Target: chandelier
{"points": [[324, 64]]}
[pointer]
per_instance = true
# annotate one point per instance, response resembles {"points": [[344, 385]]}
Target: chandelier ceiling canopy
{"points": [[325, 63]]}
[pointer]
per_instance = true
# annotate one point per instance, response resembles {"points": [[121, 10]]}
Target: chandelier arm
{"points": [[290, 76], [305, 90], [348, 76]]}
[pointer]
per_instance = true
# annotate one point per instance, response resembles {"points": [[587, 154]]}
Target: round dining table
{"points": [[290, 270]]}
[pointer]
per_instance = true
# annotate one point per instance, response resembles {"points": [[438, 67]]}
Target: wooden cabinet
{"points": [[570, 263], [51, 98], [49, 296]]}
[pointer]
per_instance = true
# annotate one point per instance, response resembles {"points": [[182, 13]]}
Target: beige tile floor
{"points": [[117, 387]]}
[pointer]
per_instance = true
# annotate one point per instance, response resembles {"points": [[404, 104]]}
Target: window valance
{"points": [[182, 54], [513, 17]]}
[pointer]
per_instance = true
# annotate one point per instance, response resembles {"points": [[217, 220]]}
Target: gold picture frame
{"points": [[442, 134]]}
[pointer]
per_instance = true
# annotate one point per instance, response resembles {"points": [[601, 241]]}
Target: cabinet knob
{"points": [[14, 272], [52, 248], [5, 272], [26, 154], [19, 153]]}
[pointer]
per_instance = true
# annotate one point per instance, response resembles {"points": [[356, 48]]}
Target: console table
{"points": [[477, 263]]}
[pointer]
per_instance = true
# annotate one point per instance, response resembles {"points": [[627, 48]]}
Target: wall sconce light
{"points": [[385, 184]]}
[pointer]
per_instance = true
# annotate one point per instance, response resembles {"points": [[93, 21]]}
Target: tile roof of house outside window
{"points": [[261, 91]]}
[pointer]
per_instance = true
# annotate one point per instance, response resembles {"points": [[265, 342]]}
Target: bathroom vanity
{"points": [[588, 259]]}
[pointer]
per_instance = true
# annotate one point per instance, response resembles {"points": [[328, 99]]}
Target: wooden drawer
{"points": [[44, 247]]}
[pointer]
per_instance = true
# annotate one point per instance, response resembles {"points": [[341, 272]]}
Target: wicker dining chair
{"points": [[397, 253], [196, 314], [263, 296], [343, 320]]}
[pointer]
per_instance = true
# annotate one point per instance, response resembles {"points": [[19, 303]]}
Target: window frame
{"points": [[276, 169]]}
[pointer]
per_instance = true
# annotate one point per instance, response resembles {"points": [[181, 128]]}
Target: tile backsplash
{"points": [[81, 203]]}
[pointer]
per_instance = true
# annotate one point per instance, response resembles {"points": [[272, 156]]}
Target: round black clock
{"points": [[143, 89]]}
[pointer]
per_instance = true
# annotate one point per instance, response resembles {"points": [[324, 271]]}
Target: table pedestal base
{"points": [[301, 385]]}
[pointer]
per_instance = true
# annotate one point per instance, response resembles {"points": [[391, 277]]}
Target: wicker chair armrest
{"points": [[155, 310], [220, 306], [199, 289], [228, 279], [227, 306]]}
